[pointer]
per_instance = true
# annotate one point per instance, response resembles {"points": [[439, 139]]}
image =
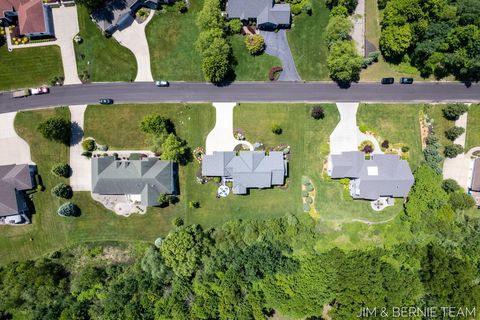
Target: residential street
{"points": [[147, 92]]}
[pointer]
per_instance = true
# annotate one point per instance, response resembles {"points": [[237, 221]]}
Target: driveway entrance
{"points": [[277, 45], [15, 150]]}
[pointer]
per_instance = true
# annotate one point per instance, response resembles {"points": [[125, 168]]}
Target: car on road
{"points": [[406, 80], [105, 101], [40, 90], [388, 80], [162, 83]]}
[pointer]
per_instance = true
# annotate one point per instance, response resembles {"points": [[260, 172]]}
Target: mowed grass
{"points": [[473, 127], [103, 58], [171, 39], [397, 123], [29, 67], [307, 42], [440, 125]]}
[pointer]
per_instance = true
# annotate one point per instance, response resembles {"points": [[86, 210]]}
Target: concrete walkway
{"points": [[358, 34], [133, 38], [14, 150], [276, 44], [221, 137], [462, 122], [81, 166]]}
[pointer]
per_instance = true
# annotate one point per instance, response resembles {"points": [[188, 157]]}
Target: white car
{"points": [[39, 90], [162, 83]]}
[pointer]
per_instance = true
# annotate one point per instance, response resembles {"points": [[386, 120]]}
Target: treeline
{"points": [[439, 37], [252, 269]]}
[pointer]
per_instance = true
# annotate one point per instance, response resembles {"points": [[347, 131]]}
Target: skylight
{"points": [[372, 171]]}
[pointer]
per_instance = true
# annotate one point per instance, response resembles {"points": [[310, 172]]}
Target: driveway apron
{"points": [[276, 44], [14, 149], [81, 166]]}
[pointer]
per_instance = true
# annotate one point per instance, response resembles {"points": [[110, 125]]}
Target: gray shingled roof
{"points": [[13, 178], [149, 178], [250, 169], [382, 175], [264, 11]]}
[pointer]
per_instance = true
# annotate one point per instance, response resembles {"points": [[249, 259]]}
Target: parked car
{"points": [[105, 101], [406, 80], [162, 83], [20, 93], [40, 90], [388, 80]]}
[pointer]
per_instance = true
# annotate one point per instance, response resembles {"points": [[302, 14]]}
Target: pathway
{"points": [[358, 34], [15, 150], [133, 38], [221, 137], [462, 122], [276, 44], [81, 166]]}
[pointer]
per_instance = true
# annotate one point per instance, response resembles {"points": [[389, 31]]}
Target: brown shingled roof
{"points": [[30, 17]]}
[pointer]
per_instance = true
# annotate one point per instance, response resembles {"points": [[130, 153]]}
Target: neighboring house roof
{"points": [[476, 176], [382, 175], [250, 169], [265, 11], [13, 178], [31, 17], [118, 12], [148, 178]]}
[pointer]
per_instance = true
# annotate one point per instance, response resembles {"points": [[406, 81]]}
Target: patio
{"points": [[123, 205], [381, 203]]}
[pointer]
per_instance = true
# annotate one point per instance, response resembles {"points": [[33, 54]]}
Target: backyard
{"points": [[473, 127], [104, 59], [29, 67]]}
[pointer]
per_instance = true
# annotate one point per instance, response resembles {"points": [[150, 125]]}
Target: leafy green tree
{"points": [[395, 41], [450, 185], [216, 68], [235, 25], [210, 17], [153, 264], [349, 4], [338, 29], [206, 38], [454, 132], [88, 145], [157, 125], [56, 129], [454, 111], [255, 44], [163, 200], [461, 201], [175, 149], [62, 190], [91, 5], [343, 62], [61, 170], [453, 150], [341, 11], [68, 209]]}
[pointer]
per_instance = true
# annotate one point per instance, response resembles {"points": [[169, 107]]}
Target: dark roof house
{"points": [[33, 18], [147, 178], [475, 186], [249, 169], [383, 175], [14, 180], [266, 13]]}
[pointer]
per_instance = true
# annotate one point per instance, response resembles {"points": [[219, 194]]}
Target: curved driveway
{"points": [[147, 92]]}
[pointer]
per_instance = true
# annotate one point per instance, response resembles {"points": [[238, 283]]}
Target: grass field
{"points": [[384, 119], [307, 42], [473, 127], [29, 67], [109, 61], [440, 124]]}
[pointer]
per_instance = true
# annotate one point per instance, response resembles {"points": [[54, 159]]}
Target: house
{"points": [[475, 185], [119, 14], [14, 181], [141, 181], [32, 18], [267, 14], [248, 169], [383, 175]]}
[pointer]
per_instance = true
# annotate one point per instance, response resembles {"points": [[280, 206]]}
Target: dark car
{"points": [[105, 101], [406, 80], [388, 80]]}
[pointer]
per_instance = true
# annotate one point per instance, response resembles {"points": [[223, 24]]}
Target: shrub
{"points": [[309, 200], [69, 209], [61, 170], [431, 139], [276, 129], [363, 128], [453, 150], [317, 113], [274, 73], [305, 181], [87, 154], [309, 188], [454, 111], [62, 190], [88, 145], [163, 200], [157, 125], [461, 201], [180, 6], [339, 10], [194, 204], [56, 129], [385, 144], [235, 26], [304, 193], [405, 148], [173, 199], [217, 179], [306, 207], [255, 44], [450, 185], [178, 222], [366, 146], [454, 133]]}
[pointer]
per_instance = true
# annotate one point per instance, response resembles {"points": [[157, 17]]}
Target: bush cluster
{"points": [[454, 111], [453, 150], [62, 190], [69, 209], [61, 170]]}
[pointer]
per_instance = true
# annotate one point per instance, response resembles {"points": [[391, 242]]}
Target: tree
{"points": [[454, 111], [210, 16], [343, 62], [341, 11], [255, 44], [88, 145], [56, 129], [216, 68], [454, 133], [175, 149], [461, 201], [157, 125], [91, 5], [61, 170], [338, 29], [154, 264], [453, 150], [62, 190], [68, 209], [206, 38], [235, 26], [317, 113], [395, 41], [450, 185], [276, 129], [349, 4]]}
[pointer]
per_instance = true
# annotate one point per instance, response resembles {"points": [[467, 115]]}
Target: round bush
{"points": [[276, 129], [158, 242], [317, 113], [62, 190], [405, 149], [450, 185], [305, 181], [454, 133], [310, 188], [69, 209], [461, 201], [178, 222], [385, 144], [306, 207], [88, 145], [304, 193], [309, 200], [453, 150], [61, 170]]}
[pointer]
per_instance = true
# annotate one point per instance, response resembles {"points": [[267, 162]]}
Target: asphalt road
{"points": [[146, 92]]}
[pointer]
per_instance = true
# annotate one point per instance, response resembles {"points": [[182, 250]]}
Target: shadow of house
{"points": [[267, 14]]}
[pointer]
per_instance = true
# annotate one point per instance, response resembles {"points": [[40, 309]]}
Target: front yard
{"points": [[473, 127], [29, 67]]}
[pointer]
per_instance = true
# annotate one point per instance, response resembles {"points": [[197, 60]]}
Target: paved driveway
{"points": [[81, 166], [133, 37], [358, 34], [460, 168], [14, 150], [221, 137], [277, 45]]}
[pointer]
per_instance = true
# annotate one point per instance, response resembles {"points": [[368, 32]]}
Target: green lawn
{"points": [[386, 121], [440, 124], [307, 42], [473, 127], [29, 67], [109, 61]]}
